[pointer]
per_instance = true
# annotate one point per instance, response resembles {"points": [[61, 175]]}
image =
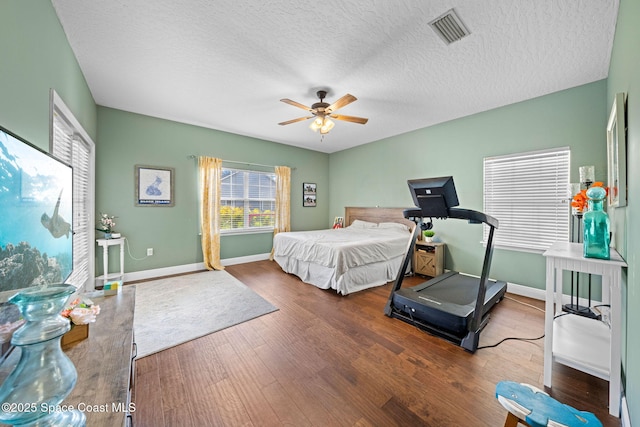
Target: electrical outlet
{"points": [[149, 251]]}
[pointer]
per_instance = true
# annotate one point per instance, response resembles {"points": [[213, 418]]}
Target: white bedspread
{"points": [[342, 250]]}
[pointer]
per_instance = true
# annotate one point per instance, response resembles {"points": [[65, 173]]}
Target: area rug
{"points": [[175, 310]]}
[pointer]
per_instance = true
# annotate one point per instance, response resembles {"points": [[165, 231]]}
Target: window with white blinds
{"points": [[71, 144], [529, 195], [247, 200]]}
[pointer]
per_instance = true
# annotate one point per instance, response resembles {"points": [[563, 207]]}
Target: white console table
{"points": [[582, 343], [105, 244]]}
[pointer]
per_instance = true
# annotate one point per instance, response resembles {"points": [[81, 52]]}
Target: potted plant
{"points": [[428, 235]]}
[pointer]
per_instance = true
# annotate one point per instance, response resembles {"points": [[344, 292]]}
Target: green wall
{"points": [[574, 118], [34, 57], [128, 139], [624, 76]]}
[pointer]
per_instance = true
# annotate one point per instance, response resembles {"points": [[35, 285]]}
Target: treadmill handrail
{"points": [[473, 216], [457, 213]]}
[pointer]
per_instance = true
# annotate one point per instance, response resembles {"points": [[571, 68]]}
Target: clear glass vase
{"points": [[44, 376], [595, 222]]}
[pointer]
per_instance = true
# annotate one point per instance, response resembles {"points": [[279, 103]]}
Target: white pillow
{"points": [[363, 224], [393, 225]]}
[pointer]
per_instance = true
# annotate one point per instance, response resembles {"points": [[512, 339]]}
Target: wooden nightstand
{"points": [[428, 258]]}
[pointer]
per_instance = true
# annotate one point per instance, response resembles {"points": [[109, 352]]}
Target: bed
{"points": [[368, 252]]}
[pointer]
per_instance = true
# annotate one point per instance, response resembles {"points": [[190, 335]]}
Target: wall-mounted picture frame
{"points": [[309, 192], [617, 154], [154, 186]]}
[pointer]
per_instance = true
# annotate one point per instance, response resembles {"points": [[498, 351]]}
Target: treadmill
{"points": [[453, 306]]}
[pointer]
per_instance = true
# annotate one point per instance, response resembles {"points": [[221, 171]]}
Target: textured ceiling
{"points": [[225, 64]]}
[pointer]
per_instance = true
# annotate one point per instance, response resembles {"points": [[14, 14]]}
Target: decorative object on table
{"points": [[107, 222], [580, 205], [595, 223], [580, 201], [309, 191], [428, 235], [154, 186], [10, 321], [617, 154], [44, 375], [576, 209], [75, 334], [112, 288], [338, 222], [587, 175], [80, 313]]}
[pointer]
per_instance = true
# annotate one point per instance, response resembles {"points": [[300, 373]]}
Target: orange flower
{"points": [[581, 201]]}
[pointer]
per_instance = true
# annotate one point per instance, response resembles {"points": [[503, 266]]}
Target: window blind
{"points": [[529, 195], [70, 144]]}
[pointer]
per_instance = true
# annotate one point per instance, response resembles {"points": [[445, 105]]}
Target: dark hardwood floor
{"points": [[329, 360]]}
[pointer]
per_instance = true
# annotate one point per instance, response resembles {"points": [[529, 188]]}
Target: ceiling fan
{"points": [[323, 111]]}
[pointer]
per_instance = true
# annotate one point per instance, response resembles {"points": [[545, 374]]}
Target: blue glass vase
{"points": [[595, 222], [44, 376]]}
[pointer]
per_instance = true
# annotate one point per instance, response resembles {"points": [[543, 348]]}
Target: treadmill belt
{"points": [[452, 287]]}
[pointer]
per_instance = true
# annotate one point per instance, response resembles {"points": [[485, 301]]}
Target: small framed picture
{"points": [[308, 194], [154, 186]]}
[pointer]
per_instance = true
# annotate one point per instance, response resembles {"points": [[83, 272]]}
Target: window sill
{"points": [[244, 231]]}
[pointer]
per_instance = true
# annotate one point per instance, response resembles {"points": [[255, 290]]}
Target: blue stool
{"points": [[535, 408]]}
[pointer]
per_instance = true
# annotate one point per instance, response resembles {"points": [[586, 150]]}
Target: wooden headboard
{"points": [[376, 215]]}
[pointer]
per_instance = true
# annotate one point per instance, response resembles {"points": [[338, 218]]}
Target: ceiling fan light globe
{"points": [[314, 126], [328, 125]]}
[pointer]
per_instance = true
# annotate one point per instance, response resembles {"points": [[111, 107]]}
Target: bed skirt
{"points": [[353, 280]]}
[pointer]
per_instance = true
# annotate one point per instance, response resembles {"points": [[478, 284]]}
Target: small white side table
{"points": [[582, 343], [105, 244]]}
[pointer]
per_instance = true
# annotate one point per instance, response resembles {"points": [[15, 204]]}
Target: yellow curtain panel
{"points": [[210, 172], [283, 201]]}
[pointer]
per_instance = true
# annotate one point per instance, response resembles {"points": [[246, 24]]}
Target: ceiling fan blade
{"points": [[345, 100], [295, 104], [352, 119], [288, 122]]}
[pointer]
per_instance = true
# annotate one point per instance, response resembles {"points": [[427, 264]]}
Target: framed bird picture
{"points": [[154, 186]]}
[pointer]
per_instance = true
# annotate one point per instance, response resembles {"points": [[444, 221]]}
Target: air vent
{"points": [[449, 27]]}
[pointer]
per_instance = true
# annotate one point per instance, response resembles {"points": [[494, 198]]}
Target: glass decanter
{"points": [[32, 394], [595, 222]]}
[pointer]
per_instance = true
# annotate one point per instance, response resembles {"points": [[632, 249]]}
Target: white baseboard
{"points": [[625, 418], [526, 291], [540, 294], [513, 288], [188, 268]]}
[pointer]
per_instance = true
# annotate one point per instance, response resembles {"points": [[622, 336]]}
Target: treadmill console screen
{"points": [[434, 196]]}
